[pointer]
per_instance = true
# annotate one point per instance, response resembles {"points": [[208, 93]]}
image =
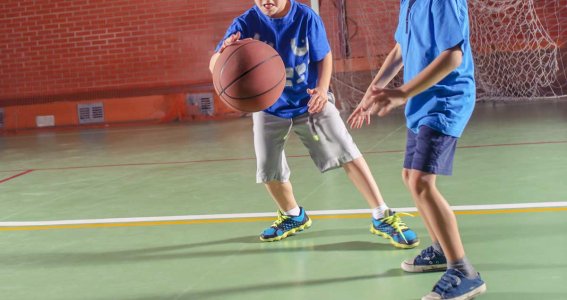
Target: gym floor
{"points": [[173, 212]]}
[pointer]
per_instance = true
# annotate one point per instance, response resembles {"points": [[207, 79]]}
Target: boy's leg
{"points": [[331, 146], [405, 178], [270, 134], [437, 213], [385, 222], [433, 154], [432, 258], [282, 193], [359, 173]]}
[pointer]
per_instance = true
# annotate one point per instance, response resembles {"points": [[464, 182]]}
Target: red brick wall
{"points": [[65, 50], [51, 48]]}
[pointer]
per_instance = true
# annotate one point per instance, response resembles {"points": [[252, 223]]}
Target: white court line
{"points": [[269, 214]]}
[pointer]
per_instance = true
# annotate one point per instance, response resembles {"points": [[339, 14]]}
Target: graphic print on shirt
{"points": [[301, 68], [294, 75]]}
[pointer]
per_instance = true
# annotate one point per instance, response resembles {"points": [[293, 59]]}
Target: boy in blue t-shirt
{"points": [[298, 35], [433, 48]]}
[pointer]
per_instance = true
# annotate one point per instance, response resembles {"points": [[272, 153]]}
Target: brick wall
{"points": [[65, 50], [53, 47], [60, 49]]}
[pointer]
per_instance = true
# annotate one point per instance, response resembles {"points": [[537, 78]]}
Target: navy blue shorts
{"points": [[430, 151]]}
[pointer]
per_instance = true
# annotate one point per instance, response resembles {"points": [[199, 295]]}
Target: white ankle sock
{"points": [[378, 212], [294, 212]]}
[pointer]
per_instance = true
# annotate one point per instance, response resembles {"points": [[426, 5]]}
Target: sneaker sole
{"points": [[288, 233], [410, 268], [468, 296], [394, 243]]}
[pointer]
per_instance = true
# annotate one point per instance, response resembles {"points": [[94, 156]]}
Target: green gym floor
{"points": [[84, 213]]}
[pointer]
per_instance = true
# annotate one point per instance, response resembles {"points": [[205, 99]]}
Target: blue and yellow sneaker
{"points": [[392, 228], [285, 226], [454, 285], [429, 260]]}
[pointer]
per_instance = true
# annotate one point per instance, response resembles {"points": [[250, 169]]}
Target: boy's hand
{"points": [[229, 41], [383, 101], [359, 116], [318, 100]]}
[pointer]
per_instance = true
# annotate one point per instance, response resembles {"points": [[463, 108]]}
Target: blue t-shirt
{"points": [[300, 39], [425, 29]]}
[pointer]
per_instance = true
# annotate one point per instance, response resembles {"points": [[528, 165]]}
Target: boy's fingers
{"points": [[230, 40], [316, 107], [235, 37], [353, 120], [313, 100]]}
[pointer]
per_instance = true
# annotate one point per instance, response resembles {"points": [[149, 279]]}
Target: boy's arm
{"points": [[391, 66], [384, 100], [319, 95], [438, 69], [231, 39]]}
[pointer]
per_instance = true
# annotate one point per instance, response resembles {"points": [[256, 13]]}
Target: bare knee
{"points": [[405, 177], [420, 183]]}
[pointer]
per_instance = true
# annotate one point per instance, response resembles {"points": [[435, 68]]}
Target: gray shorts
{"points": [[324, 134]]}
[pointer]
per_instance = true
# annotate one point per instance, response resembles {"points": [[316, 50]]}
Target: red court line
{"points": [[17, 175], [253, 158]]}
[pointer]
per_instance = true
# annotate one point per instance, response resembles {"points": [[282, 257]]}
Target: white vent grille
{"points": [[90, 113], [204, 101]]}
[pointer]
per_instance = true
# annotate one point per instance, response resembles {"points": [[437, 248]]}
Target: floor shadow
{"points": [[244, 290], [519, 266], [523, 296], [187, 251]]}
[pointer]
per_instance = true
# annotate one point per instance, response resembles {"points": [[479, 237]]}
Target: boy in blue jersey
{"points": [[306, 107], [433, 48]]}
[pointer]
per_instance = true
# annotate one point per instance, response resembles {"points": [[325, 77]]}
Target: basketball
{"points": [[249, 76]]}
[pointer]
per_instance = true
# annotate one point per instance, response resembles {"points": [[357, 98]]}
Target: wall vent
{"points": [[204, 101], [90, 113]]}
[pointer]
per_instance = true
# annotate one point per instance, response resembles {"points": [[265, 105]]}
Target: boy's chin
{"points": [[270, 14]]}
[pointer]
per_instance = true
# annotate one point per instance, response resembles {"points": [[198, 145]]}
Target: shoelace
{"points": [[281, 218], [396, 222], [448, 281]]}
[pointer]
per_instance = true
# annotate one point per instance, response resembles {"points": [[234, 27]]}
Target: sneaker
{"points": [[429, 260], [285, 226], [392, 228], [454, 285]]}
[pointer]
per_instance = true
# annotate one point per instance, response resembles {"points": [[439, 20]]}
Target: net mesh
{"points": [[517, 51], [518, 46]]}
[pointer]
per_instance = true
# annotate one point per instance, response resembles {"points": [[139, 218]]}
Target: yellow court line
{"points": [[258, 219]]}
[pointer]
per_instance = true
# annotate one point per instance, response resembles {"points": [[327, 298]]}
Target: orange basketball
{"points": [[249, 76]]}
